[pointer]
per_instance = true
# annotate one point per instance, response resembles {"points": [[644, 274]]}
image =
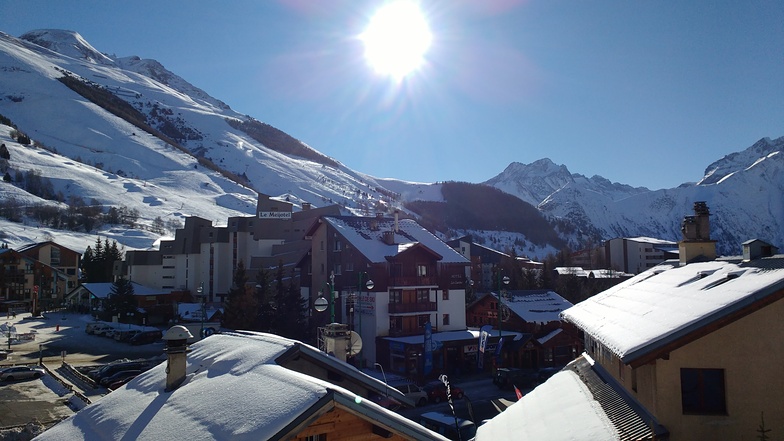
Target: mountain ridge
{"points": [[251, 156]]}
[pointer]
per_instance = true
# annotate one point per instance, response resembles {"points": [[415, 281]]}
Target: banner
{"points": [[484, 333], [428, 348]]}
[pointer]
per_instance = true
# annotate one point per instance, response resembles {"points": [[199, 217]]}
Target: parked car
{"points": [[146, 337], [414, 392], [507, 378], [125, 334], [386, 402], [436, 391], [21, 373], [90, 326], [447, 425], [119, 383], [109, 333], [118, 376], [99, 329], [112, 368]]}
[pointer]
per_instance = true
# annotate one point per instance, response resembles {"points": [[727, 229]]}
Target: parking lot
{"points": [[54, 339]]}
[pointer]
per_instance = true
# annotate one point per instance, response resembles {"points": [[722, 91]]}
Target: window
{"points": [[423, 295], [422, 320], [338, 245], [338, 269], [395, 296], [421, 270], [702, 391], [446, 320], [319, 437], [395, 323], [445, 294]]}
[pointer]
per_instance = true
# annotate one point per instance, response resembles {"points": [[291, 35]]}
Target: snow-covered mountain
{"points": [[744, 191], [128, 132]]}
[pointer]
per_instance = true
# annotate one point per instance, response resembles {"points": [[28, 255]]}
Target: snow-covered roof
{"points": [[667, 302], [468, 334], [233, 389], [562, 408], [653, 241], [596, 273], [586, 396], [536, 306], [192, 311], [367, 236], [103, 290]]}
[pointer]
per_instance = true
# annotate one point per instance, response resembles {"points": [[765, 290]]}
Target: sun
{"points": [[397, 39]]}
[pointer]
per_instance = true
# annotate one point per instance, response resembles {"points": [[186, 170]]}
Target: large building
{"points": [[417, 280], [202, 257], [637, 254]]}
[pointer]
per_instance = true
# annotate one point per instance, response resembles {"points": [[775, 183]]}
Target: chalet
{"points": [[27, 284], [387, 278], [249, 386], [50, 253], [156, 306], [535, 314]]}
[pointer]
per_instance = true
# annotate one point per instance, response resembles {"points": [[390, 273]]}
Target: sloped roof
{"points": [[666, 304], [582, 394], [366, 235], [234, 389], [103, 290], [536, 306]]}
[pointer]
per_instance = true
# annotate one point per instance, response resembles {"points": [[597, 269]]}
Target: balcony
{"points": [[397, 281], [406, 333], [402, 308]]}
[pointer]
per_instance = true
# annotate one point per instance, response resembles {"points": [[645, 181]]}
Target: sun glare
{"points": [[396, 39]]}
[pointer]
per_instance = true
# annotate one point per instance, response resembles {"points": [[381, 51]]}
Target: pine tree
{"points": [[241, 309], [122, 301], [266, 318]]}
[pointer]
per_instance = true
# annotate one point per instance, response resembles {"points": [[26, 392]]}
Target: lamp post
{"points": [[200, 292], [386, 386], [321, 303], [505, 279], [369, 285]]}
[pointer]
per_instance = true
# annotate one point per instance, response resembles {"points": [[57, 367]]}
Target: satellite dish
{"points": [[354, 343]]}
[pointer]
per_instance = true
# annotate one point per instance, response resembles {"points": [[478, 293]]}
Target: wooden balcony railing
{"points": [[401, 308], [412, 281]]}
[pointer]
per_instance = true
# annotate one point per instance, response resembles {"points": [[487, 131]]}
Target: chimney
{"points": [[176, 339], [388, 237], [696, 241], [305, 206], [397, 215]]}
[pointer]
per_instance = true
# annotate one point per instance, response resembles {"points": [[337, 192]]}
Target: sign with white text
{"points": [[274, 215]]}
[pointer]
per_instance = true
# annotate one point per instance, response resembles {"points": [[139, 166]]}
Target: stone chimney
{"points": [[696, 241], [176, 339], [388, 237]]}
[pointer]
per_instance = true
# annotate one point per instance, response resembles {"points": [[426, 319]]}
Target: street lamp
{"points": [[321, 303], [369, 285], [505, 279], [386, 386], [200, 292]]}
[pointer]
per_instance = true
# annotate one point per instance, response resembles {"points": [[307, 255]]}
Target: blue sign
{"points": [[428, 348]]}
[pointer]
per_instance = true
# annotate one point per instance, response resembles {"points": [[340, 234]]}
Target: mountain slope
{"points": [[743, 191]]}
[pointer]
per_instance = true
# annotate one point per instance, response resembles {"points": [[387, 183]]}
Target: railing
{"points": [[400, 308], [412, 281]]}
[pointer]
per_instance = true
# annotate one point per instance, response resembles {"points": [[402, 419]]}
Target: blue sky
{"points": [[646, 93]]}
